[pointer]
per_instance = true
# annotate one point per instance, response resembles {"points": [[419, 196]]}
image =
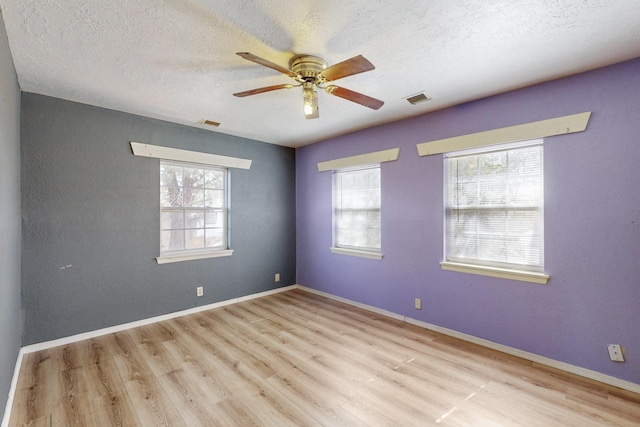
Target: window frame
{"points": [[529, 273], [388, 155], [198, 157], [360, 251], [224, 210], [520, 132]]}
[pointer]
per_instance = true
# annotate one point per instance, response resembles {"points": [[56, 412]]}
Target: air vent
{"points": [[417, 98], [210, 123]]}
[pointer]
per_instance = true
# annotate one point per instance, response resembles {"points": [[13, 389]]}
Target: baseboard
{"points": [[597, 376], [122, 327], [92, 334], [353, 303], [566, 367], [12, 390]]}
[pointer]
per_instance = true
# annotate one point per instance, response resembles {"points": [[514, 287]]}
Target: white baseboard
{"points": [[92, 334], [112, 329], [577, 370], [354, 303], [606, 379], [12, 390]]}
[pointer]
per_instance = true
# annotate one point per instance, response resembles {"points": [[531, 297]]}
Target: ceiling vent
{"points": [[417, 98], [210, 123]]}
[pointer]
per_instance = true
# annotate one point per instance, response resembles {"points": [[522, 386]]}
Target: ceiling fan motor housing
{"points": [[308, 67]]}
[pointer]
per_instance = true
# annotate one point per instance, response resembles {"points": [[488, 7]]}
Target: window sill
{"points": [[189, 257], [503, 273], [352, 252]]}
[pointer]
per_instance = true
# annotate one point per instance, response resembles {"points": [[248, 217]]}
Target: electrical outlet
{"points": [[418, 304], [615, 352], [277, 277], [199, 291]]}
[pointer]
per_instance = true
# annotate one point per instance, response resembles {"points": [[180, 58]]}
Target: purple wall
{"points": [[592, 225]]}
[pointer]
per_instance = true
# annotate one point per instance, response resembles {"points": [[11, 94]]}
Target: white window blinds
{"points": [[357, 208], [494, 206]]}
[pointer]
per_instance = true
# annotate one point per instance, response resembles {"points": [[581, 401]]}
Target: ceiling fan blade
{"points": [[263, 89], [356, 97], [355, 65], [251, 57]]}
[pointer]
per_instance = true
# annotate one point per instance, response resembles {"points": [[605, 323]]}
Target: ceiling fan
{"points": [[311, 72]]}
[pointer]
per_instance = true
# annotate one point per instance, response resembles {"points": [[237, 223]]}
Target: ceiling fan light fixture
{"points": [[310, 103]]}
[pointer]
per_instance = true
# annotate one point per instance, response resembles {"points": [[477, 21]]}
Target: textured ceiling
{"points": [[175, 59]]}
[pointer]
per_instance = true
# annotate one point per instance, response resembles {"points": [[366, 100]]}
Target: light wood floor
{"points": [[298, 359]]}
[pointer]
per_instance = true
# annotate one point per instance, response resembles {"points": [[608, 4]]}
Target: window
{"points": [[494, 207], [194, 189], [193, 208], [357, 202]]}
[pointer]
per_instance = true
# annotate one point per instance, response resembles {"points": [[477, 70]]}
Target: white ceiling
{"points": [[175, 59]]}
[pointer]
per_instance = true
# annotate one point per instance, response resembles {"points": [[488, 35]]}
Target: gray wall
{"points": [[10, 317], [90, 213]]}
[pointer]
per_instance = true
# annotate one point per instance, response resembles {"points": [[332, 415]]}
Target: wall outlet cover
{"points": [[615, 352]]}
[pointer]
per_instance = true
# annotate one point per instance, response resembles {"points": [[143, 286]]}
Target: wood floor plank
{"points": [[207, 374], [40, 388], [102, 377], [26, 408], [221, 371], [152, 407], [114, 410], [316, 401], [75, 399], [187, 396], [268, 407], [155, 408], [299, 359]]}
